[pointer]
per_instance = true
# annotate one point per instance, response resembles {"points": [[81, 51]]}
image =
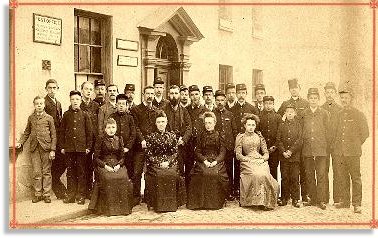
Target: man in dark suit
{"points": [[100, 91], [231, 96], [108, 108], [184, 96], [226, 127], [300, 104], [350, 132], [333, 108], [208, 97], [260, 93], [159, 100], [179, 122], [130, 94], [145, 118], [54, 109]]}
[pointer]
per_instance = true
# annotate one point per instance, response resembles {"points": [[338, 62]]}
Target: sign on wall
{"points": [[47, 29], [127, 61]]}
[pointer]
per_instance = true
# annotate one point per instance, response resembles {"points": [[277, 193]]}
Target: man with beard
{"points": [[260, 93], [100, 91], [226, 127], [159, 100], [178, 122], [184, 96], [231, 96], [195, 110], [130, 94], [144, 117], [91, 108], [208, 97], [108, 108]]}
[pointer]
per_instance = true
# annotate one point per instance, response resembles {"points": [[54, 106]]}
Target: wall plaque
{"points": [[127, 44], [47, 29], [127, 61]]}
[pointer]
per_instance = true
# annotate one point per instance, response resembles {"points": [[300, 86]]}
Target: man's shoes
{"points": [[47, 199], [230, 198], [282, 202], [341, 205], [322, 205], [307, 201], [296, 204], [69, 200], [81, 201], [357, 209], [37, 199], [237, 194]]}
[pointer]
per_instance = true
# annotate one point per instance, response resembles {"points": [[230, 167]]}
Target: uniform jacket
{"points": [[145, 119], [230, 108], [41, 130], [99, 101], [350, 132], [75, 131], [92, 109], [160, 105], [269, 122], [259, 109], [103, 114], [54, 110], [300, 104], [179, 121], [195, 113], [289, 137], [226, 127], [239, 111], [332, 107], [316, 132], [125, 128]]}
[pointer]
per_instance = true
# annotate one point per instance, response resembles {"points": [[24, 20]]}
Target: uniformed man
{"points": [[180, 123], [54, 109], [260, 93], [108, 108], [351, 131], [91, 108], [195, 110], [231, 96], [316, 126], [226, 127], [184, 96], [333, 108], [208, 97], [144, 117], [269, 122], [100, 91], [240, 109], [159, 100], [130, 94], [300, 104]]}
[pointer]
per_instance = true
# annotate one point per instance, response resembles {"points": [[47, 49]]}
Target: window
{"points": [[257, 78], [90, 52], [225, 16], [225, 76], [257, 26]]}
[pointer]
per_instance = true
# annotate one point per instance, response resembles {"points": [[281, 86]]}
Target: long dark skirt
{"points": [[112, 193], [165, 189], [208, 187]]}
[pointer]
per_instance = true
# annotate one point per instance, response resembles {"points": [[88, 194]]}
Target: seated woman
{"points": [[257, 185], [112, 193], [208, 186], [165, 189]]}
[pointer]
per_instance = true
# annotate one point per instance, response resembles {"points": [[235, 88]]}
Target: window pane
{"points": [[76, 58], [75, 30], [83, 58], [95, 59], [83, 30], [95, 32]]}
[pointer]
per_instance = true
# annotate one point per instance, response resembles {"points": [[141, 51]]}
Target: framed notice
{"points": [[127, 44], [47, 29], [127, 61]]}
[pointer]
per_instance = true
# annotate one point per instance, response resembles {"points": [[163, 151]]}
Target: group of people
{"points": [[201, 155]]}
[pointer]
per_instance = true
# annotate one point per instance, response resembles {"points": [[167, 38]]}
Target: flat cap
{"points": [[193, 88], [241, 86], [268, 98], [219, 93]]}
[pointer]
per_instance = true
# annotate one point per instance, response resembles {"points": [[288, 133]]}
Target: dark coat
{"points": [[125, 128], [209, 146], [99, 101], [226, 126], [160, 105], [179, 122], [75, 131], [195, 114], [269, 122], [300, 105], [54, 110], [41, 130], [350, 132], [239, 111], [92, 109], [103, 114], [289, 137], [109, 151]]}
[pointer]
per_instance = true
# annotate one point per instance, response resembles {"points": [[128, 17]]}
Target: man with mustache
{"points": [[184, 96], [260, 93], [159, 100], [208, 96], [144, 117], [130, 94], [100, 91], [108, 108]]}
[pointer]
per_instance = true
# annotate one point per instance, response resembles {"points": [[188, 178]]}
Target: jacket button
{"points": [[74, 137], [312, 138]]}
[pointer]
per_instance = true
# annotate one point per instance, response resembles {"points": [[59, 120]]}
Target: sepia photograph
{"points": [[192, 114]]}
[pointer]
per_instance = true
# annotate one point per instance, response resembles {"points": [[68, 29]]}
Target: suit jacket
{"points": [[99, 101], [226, 126], [289, 137], [160, 105], [269, 122], [196, 113], [75, 131], [240, 111], [316, 136], [256, 105], [54, 110], [41, 130], [92, 109], [350, 132], [103, 114], [300, 104], [125, 128], [179, 122]]}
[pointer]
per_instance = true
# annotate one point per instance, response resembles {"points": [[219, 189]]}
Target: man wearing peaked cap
{"points": [[231, 96], [208, 97], [193, 88], [159, 100], [100, 91], [130, 94], [219, 93], [313, 91], [75, 92], [184, 96], [259, 93], [300, 104]]}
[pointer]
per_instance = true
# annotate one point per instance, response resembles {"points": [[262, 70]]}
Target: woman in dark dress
{"points": [[112, 193], [208, 187], [165, 188]]}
